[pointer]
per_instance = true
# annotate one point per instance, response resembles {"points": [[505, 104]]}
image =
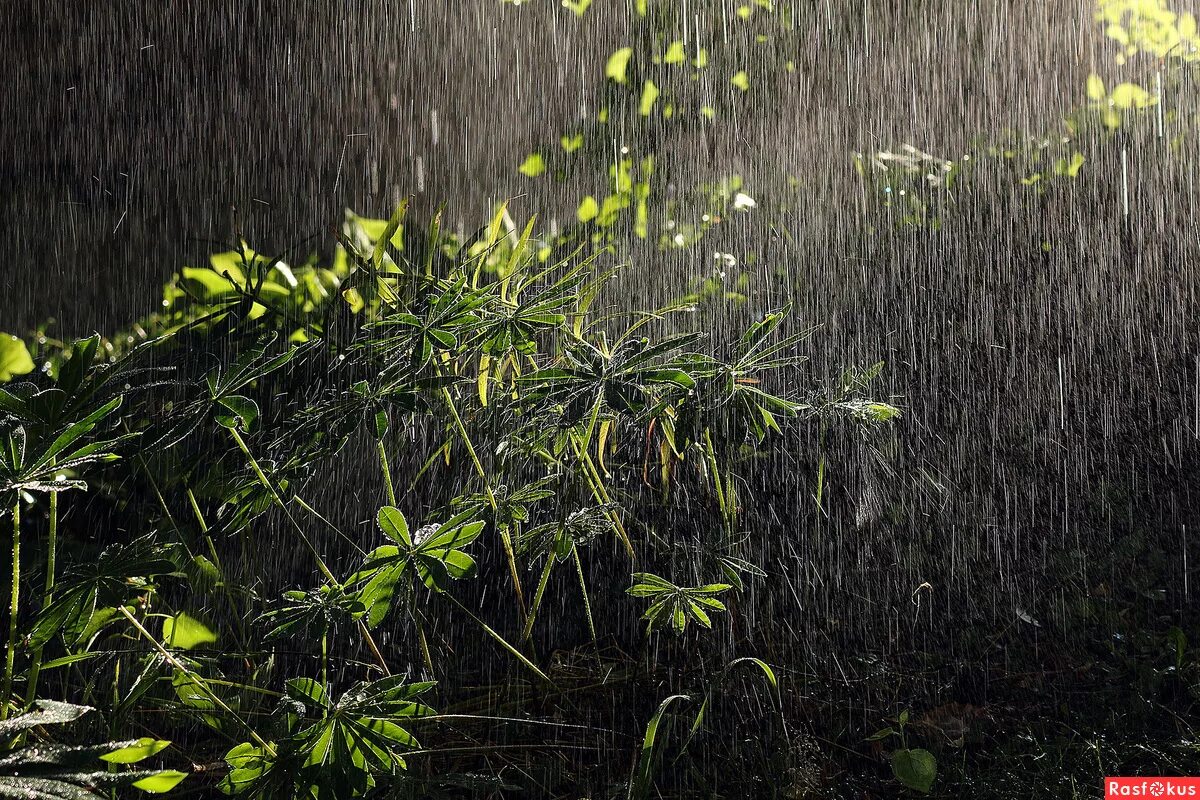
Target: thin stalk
{"points": [[216, 560], [537, 597], [500, 639], [325, 660], [487, 487], [711, 456], [10, 653], [328, 573], [387, 472], [587, 604], [262, 478], [197, 681], [425, 654], [162, 501], [47, 596], [301, 502], [601, 494], [51, 551], [212, 547]]}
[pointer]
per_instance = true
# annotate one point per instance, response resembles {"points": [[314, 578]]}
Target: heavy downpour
{"points": [[601, 399]]}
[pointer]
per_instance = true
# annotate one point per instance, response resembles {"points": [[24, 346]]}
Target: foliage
{"points": [[211, 429], [56, 771]]}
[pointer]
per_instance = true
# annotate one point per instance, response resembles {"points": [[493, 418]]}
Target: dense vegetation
{"points": [[584, 474]]}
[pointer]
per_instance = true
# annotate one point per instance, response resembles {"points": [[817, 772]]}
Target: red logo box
{"points": [[1151, 788]]}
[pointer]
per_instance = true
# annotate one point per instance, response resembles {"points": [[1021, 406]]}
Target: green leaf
{"points": [[533, 166], [393, 234], [1130, 95], [588, 209], [618, 64], [320, 748], [307, 690], [142, 749], [186, 632], [649, 97], [572, 143], [741, 80], [160, 782], [675, 53], [46, 712], [72, 373], [376, 595], [639, 787], [916, 769], [14, 357], [243, 410], [392, 522], [1095, 87]]}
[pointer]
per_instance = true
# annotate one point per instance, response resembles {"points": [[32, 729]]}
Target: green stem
{"points": [[300, 502], [500, 639], [537, 597], [51, 551], [711, 456], [14, 602], [328, 573], [212, 547], [325, 661], [262, 478], [47, 596], [387, 472], [197, 681], [601, 494], [425, 654], [487, 487], [587, 604], [238, 617]]}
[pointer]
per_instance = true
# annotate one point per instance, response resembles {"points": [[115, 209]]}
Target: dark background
{"points": [[139, 136]]}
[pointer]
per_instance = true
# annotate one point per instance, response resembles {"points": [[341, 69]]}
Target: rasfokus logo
{"points": [[1152, 788]]}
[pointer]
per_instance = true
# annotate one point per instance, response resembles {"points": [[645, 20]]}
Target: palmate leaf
{"points": [[252, 364], [627, 380], [676, 606], [334, 748], [91, 590], [434, 553], [33, 462], [311, 613]]}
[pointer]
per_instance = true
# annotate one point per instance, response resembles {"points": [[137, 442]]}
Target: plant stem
{"points": [[500, 639], [328, 573], [14, 602], [537, 597], [601, 494], [47, 597], [710, 454], [487, 487], [425, 654], [212, 548], [197, 681], [587, 604], [262, 478], [51, 551], [325, 660], [387, 472]]}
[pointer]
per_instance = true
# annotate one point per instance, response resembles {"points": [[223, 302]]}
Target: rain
{"points": [[598, 398]]}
